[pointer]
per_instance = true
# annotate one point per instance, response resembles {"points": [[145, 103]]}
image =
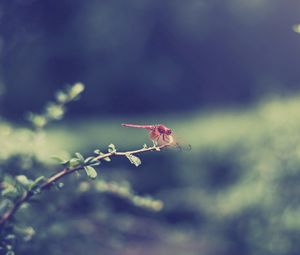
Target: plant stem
{"points": [[60, 174]]}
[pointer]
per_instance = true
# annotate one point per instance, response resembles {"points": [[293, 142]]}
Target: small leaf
{"points": [[105, 158], [10, 188], [61, 97], [9, 191], [111, 148], [94, 163], [37, 120], [55, 111], [39, 179], [90, 171], [36, 182], [60, 160], [76, 90], [23, 180], [74, 162], [26, 232], [296, 28], [97, 152], [10, 237], [9, 180], [60, 185], [134, 159], [5, 204], [79, 156], [89, 159]]}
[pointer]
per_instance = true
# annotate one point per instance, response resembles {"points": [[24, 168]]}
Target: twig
{"points": [[60, 174]]}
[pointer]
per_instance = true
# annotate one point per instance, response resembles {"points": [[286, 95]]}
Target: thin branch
{"points": [[66, 171]]}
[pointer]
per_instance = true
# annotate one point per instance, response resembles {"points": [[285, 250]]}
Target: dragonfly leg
{"points": [[164, 138], [154, 137], [167, 138], [155, 140]]}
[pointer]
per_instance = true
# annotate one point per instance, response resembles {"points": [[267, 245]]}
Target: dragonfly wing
{"points": [[184, 147], [161, 139], [168, 138], [178, 144], [154, 135]]}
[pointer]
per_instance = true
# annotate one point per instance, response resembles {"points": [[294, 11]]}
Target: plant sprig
{"points": [[55, 110], [72, 165]]}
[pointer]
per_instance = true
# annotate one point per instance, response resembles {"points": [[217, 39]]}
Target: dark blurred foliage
{"points": [[236, 192], [140, 56]]}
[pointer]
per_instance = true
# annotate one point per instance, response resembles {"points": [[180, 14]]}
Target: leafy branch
{"points": [[78, 163], [55, 110]]}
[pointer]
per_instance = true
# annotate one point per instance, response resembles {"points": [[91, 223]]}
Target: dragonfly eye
{"points": [[161, 130]]}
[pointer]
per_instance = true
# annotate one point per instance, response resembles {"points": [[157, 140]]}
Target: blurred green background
{"points": [[222, 74]]}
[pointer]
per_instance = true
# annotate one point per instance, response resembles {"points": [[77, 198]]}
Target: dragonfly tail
{"points": [[149, 127]]}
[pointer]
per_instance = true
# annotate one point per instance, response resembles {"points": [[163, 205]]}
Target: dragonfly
{"points": [[159, 134]]}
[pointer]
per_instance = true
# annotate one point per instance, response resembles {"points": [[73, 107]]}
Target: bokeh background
{"points": [[223, 74]]}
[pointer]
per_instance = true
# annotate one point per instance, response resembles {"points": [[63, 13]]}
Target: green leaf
{"points": [[26, 232], [74, 162], [76, 90], [10, 187], [5, 204], [95, 163], [111, 148], [106, 159], [60, 185], [89, 159], [134, 159], [79, 156], [36, 182], [37, 120], [9, 191], [60, 160], [39, 179], [91, 172], [98, 152], [55, 111], [61, 97], [23, 180], [9, 180], [92, 161]]}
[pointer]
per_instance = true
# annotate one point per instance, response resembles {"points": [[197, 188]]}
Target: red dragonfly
{"points": [[159, 134]]}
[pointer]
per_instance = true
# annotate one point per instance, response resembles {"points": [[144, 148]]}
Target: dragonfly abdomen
{"points": [[149, 127]]}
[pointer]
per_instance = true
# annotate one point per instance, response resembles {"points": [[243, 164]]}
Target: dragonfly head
{"points": [[164, 130], [168, 131]]}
